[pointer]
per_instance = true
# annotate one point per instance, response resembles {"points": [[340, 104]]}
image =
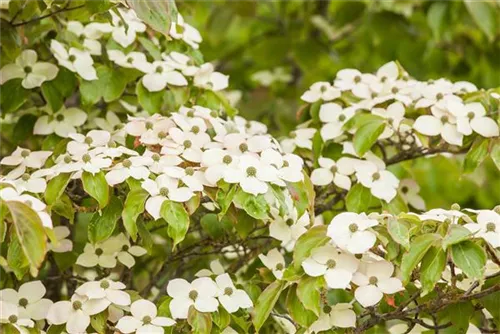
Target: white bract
{"points": [[275, 262], [23, 158], [32, 72], [231, 298], [62, 245], [487, 227], [382, 183], [182, 30], [351, 232], [62, 123], [201, 293], [337, 172], [340, 315], [75, 60], [320, 91], [144, 319], [29, 300], [335, 117]]}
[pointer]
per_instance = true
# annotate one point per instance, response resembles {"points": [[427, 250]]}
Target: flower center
{"points": [[376, 176], [357, 79], [98, 251], [146, 320], [228, 291], [289, 222], [162, 135], [23, 302], [88, 140], [164, 191], [383, 79], [293, 134], [60, 118], [159, 69], [279, 266], [193, 294], [190, 113], [156, 157], [491, 227], [25, 177], [130, 60], [227, 159], [327, 309], [404, 189], [104, 284], [72, 58], [334, 169], [187, 143], [118, 126], [286, 164], [127, 163], [390, 121], [179, 28], [353, 227], [444, 119], [67, 159], [373, 280], [112, 144], [213, 113], [331, 264], [86, 158], [125, 248], [243, 147], [394, 90], [28, 69], [149, 125], [323, 89], [251, 171], [25, 153], [470, 115], [439, 96], [13, 319], [341, 118], [460, 277], [77, 305], [195, 129], [189, 171]]}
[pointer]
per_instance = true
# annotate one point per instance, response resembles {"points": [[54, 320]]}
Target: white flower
{"points": [[373, 280], [320, 91], [81, 144], [135, 167], [100, 254], [151, 130], [350, 232], [23, 158], [231, 298], [409, 190], [10, 315], [162, 162], [126, 35], [207, 78], [289, 166], [159, 74], [161, 189], [187, 143], [441, 122], [216, 268], [105, 289], [274, 261], [62, 123], [250, 127], [267, 77], [75, 60], [298, 138], [438, 93], [180, 61], [340, 315], [132, 59], [27, 68], [358, 83], [393, 115], [11, 194], [239, 143], [338, 172], [34, 183], [124, 251], [487, 227], [472, 116], [91, 162], [201, 293], [336, 267], [75, 313], [218, 162], [29, 300], [144, 319], [63, 245], [90, 35], [382, 183], [113, 124], [289, 230], [252, 174], [182, 30], [335, 117]]}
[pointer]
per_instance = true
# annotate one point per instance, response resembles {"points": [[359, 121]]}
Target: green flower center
{"points": [[334, 169], [179, 28], [98, 251], [118, 126], [72, 58], [25, 153], [491, 227], [460, 277], [227, 159], [23, 302], [383, 79], [125, 248], [279, 266], [439, 96], [353, 227], [190, 113], [13, 319], [394, 90], [60, 118], [149, 125], [289, 222], [159, 69], [376, 176], [86, 158], [327, 309], [228, 291], [104, 284], [213, 114], [243, 147], [193, 294], [404, 189], [127, 163], [156, 157], [77, 305], [357, 79], [195, 129], [331, 264], [162, 135], [373, 280], [146, 320], [28, 69], [189, 171], [293, 134], [341, 117], [251, 171], [130, 60], [88, 140], [455, 206], [164, 191], [187, 143], [444, 119], [67, 159], [112, 144], [25, 177], [470, 115], [286, 164]]}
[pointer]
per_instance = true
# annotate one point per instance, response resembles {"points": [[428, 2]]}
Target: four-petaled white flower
{"points": [[144, 319], [23, 158], [182, 30], [382, 183], [373, 280], [126, 35], [288, 229], [62, 123], [99, 254], [159, 74], [29, 300], [26, 67], [335, 117], [337, 172], [339, 315], [298, 138], [105, 289], [487, 227], [207, 78], [90, 34], [320, 91], [201, 293], [472, 116], [231, 298], [10, 315], [135, 167], [393, 116], [350, 232], [274, 261], [409, 190], [63, 245], [336, 267], [442, 122], [75, 60], [11, 194], [216, 268]]}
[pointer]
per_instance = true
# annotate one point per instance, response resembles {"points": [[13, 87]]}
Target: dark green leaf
{"points": [[367, 135], [15, 98], [358, 199], [314, 237], [96, 186], [419, 246], [469, 257], [56, 187], [266, 302], [177, 219], [433, 265], [103, 224], [134, 206], [157, 14]]}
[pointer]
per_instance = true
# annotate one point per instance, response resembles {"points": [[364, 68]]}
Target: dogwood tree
{"points": [[134, 199]]}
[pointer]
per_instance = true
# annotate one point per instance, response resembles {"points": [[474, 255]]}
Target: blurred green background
{"points": [[292, 44]]}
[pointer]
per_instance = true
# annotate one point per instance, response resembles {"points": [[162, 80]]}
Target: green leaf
{"points": [[177, 218], [492, 302], [201, 323], [436, 16], [225, 198], [266, 302], [460, 314], [97, 187], [255, 206], [433, 265], [30, 233], [358, 199], [157, 14], [476, 155], [419, 246], [456, 233], [103, 224], [367, 135], [24, 128], [15, 257], [484, 15], [221, 318], [314, 237], [150, 101], [98, 322], [308, 291], [56, 187], [15, 98], [134, 206], [469, 257], [215, 228], [399, 230], [150, 47], [495, 153], [298, 312], [396, 206], [314, 110], [110, 86], [64, 207]]}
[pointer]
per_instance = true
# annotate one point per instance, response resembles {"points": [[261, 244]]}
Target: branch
{"points": [[36, 19]]}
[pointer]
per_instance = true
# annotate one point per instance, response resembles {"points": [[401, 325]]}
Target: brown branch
{"points": [[36, 19]]}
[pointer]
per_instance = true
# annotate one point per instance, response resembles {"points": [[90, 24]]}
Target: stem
{"points": [[36, 19]]}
